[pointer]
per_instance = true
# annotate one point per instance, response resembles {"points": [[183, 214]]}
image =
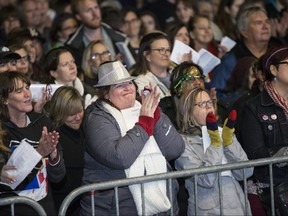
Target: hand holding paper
{"points": [[5, 176], [23, 159], [203, 58]]}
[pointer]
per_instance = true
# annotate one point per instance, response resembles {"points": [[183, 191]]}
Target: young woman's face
{"points": [[10, 23], [69, 26], [132, 24], [74, 121], [281, 74], [159, 54], [99, 54], [183, 35], [66, 71], [20, 100], [23, 63], [148, 23], [184, 13], [202, 32], [200, 111], [122, 95], [30, 46]]}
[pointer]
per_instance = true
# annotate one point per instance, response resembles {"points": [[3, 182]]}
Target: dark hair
{"points": [[57, 25], [151, 14], [172, 29], [225, 22], [51, 61], [8, 84], [178, 73], [7, 12], [273, 57], [18, 36], [142, 65]]}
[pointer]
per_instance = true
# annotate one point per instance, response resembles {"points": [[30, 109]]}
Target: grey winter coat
{"points": [[207, 184], [107, 154]]}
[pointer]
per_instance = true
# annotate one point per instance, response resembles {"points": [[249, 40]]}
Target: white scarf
{"points": [[149, 162]]}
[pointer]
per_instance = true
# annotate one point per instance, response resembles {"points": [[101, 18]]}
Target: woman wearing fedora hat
{"points": [[126, 139]]}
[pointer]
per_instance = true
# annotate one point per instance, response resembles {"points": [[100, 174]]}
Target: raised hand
{"points": [[228, 129], [48, 143], [212, 128], [150, 101]]}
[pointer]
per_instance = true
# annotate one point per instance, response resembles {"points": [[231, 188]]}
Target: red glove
{"points": [[212, 128], [228, 129]]}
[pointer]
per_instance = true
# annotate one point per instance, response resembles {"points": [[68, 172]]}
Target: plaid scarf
{"points": [[276, 97]]}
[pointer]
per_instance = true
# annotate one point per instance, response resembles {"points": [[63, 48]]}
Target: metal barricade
{"points": [[23, 200], [173, 175]]}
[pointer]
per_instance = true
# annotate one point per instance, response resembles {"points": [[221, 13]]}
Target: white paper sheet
{"points": [[206, 60], [128, 58], [37, 90], [179, 49], [24, 158], [228, 43]]}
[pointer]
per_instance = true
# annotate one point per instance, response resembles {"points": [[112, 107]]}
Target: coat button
{"points": [[138, 134], [164, 125]]}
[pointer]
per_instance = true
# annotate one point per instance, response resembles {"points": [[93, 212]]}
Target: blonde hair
{"points": [[3, 147], [65, 101], [86, 59], [186, 108]]}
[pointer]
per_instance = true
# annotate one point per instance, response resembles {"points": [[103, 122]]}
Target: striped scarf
{"points": [[276, 97]]}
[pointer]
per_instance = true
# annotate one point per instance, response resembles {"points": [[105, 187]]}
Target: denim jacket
{"points": [[264, 131]]}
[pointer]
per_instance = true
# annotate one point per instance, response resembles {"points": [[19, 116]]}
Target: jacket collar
{"points": [[266, 100]]}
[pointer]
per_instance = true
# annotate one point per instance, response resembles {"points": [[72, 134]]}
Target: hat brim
{"points": [[114, 83], [9, 55]]}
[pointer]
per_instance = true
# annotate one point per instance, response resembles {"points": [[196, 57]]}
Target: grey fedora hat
{"points": [[112, 73]]}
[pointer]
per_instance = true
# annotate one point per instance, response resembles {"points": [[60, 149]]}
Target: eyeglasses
{"points": [[96, 56], [282, 62], [203, 104], [162, 51], [23, 59], [190, 76]]}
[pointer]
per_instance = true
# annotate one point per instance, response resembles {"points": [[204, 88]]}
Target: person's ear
{"points": [[54, 74], [273, 70], [147, 56], [244, 33]]}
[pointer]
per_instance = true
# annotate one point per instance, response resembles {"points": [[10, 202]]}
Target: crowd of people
{"points": [[122, 108]]}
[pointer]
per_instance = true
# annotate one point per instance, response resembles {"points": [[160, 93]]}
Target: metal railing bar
{"points": [[170, 175], [23, 200]]}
